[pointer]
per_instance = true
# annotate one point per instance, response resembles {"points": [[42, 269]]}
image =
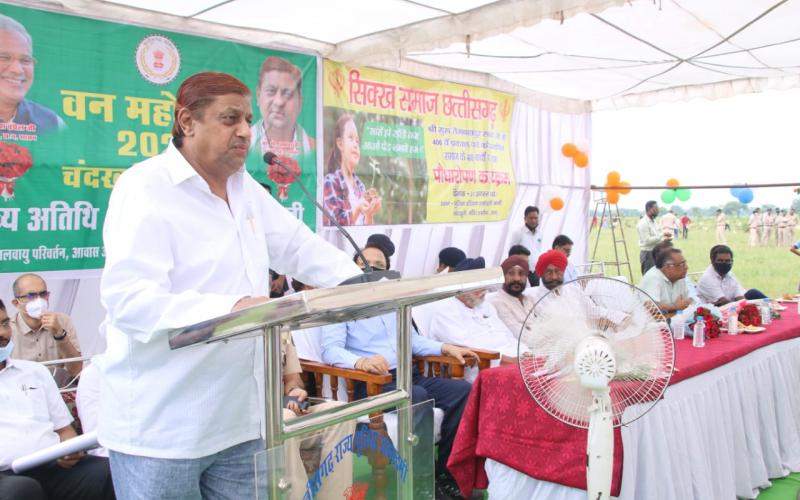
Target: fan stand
{"points": [[600, 447]]}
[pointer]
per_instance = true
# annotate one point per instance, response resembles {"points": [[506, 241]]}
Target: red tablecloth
{"points": [[504, 423]]}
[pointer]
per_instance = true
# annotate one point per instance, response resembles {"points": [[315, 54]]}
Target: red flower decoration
{"points": [[15, 160], [712, 325], [750, 315], [281, 177]]}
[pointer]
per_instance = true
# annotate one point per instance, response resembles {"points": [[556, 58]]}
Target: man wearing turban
{"points": [[511, 303], [449, 258], [550, 269]]}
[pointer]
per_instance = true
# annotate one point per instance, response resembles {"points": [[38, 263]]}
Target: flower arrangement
{"points": [[15, 160], [711, 317], [750, 315], [283, 179]]}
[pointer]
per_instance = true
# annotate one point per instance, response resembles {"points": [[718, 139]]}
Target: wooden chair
{"points": [[444, 366]]}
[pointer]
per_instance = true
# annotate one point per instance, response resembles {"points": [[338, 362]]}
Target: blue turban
{"points": [[451, 256]]}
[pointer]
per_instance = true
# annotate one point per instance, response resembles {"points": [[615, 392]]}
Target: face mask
{"points": [[36, 308], [722, 269], [5, 352]]}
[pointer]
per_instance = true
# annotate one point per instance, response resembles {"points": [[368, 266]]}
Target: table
{"points": [[729, 420]]}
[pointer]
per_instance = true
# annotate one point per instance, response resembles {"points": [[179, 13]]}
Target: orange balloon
{"points": [[613, 178], [569, 150], [556, 203], [625, 185], [673, 183], [613, 197], [581, 160]]}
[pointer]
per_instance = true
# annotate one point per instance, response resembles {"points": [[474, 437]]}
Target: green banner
{"points": [[81, 100]]}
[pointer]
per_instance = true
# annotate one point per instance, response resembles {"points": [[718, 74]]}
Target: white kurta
{"points": [[175, 255], [478, 327], [31, 410]]}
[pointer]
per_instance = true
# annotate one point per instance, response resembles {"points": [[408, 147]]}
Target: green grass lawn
{"points": [[772, 270]]}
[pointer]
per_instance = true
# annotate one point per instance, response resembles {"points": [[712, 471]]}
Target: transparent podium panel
{"points": [[388, 455]]}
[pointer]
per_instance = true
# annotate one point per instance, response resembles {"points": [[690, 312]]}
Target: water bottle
{"points": [[766, 313], [678, 324], [699, 338], [733, 321]]}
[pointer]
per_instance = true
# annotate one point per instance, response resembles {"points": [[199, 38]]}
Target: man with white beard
{"points": [[468, 320]]}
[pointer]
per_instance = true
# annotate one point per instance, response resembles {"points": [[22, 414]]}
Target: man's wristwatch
{"points": [[62, 336]]}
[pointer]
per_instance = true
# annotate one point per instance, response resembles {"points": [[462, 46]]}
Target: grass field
{"points": [[772, 270]]}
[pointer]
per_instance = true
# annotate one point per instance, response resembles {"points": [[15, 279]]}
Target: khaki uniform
{"points": [[782, 222], [755, 229], [767, 228], [721, 221]]}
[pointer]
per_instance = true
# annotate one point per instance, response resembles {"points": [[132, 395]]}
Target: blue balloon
{"points": [[735, 192], [745, 195]]}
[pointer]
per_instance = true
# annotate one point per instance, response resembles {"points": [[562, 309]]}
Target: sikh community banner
{"points": [[82, 100], [403, 150]]}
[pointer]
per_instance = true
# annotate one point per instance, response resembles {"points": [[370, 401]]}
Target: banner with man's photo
{"points": [[82, 100], [403, 150]]}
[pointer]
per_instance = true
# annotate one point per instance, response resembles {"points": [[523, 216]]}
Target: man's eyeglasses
{"points": [[677, 264], [6, 323], [34, 295]]}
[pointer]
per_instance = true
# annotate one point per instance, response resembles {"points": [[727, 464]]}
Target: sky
{"points": [[750, 138]]}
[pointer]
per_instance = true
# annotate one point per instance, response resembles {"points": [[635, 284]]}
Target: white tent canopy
{"points": [[560, 55]]}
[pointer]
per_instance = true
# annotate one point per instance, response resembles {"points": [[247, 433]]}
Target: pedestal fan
{"points": [[590, 349]]}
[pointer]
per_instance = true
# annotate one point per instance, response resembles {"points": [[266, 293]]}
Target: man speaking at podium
{"points": [[190, 235]]}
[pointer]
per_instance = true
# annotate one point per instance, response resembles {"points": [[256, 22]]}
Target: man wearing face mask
{"points": [[719, 285], [40, 334], [511, 303], [467, 319], [33, 417]]}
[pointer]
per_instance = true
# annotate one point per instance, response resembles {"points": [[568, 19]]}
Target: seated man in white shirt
{"points": [[563, 243], [33, 417], [467, 319], [550, 268], [719, 285], [511, 303], [667, 286]]}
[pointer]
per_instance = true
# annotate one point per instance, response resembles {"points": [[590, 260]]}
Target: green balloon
{"points": [[668, 196], [683, 194]]}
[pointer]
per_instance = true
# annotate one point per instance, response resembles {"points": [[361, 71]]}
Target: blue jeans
{"points": [[228, 474]]}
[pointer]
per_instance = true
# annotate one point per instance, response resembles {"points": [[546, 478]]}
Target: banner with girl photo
{"points": [[82, 100], [403, 150]]}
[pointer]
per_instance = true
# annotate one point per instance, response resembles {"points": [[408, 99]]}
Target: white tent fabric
{"points": [[644, 52], [561, 55], [541, 172]]}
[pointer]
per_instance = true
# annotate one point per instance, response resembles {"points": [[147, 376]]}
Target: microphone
{"points": [[370, 275]]}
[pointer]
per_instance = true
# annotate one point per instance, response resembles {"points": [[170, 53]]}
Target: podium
{"points": [[321, 307]]}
